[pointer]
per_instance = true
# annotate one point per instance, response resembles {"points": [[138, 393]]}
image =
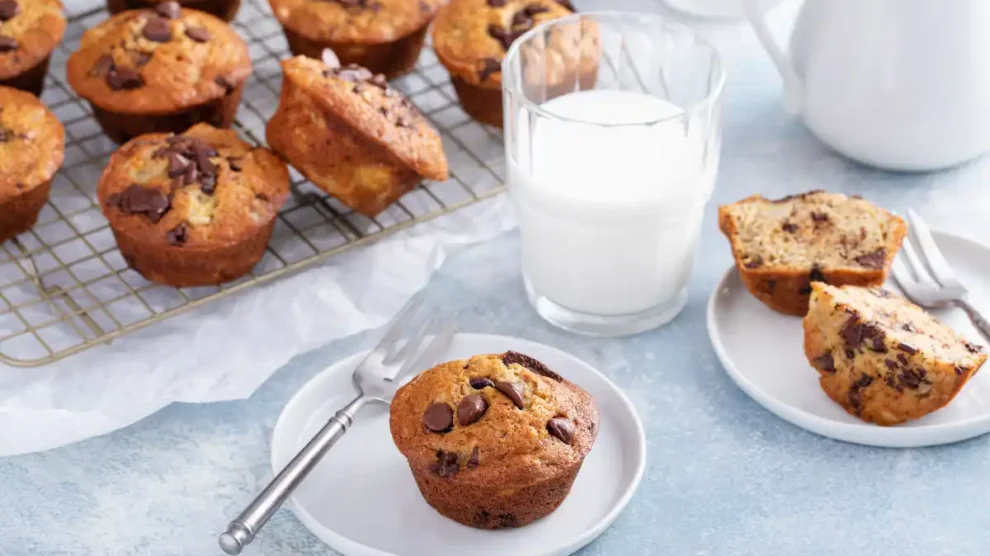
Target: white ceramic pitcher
{"points": [[899, 84]]}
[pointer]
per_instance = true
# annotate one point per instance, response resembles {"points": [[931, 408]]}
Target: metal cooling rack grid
{"points": [[64, 287]]}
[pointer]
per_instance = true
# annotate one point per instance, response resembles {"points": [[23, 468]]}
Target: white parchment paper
{"points": [[227, 349]]}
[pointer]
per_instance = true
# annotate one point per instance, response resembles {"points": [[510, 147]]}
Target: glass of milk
{"points": [[612, 138]]}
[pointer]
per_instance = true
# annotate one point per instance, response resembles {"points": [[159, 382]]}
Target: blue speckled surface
{"points": [[724, 476]]}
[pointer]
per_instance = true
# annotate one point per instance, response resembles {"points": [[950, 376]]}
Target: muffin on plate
{"points": [[32, 146], [782, 246], [192, 209], [224, 9], [162, 70], [385, 36], [352, 135], [29, 32], [882, 358], [494, 441], [471, 38]]}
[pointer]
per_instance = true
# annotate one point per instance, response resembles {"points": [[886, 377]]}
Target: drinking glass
{"points": [[612, 138]]}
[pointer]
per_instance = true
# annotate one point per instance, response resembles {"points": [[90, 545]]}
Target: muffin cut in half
{"points": [[781, 247], [882, 358], [494, 441]]}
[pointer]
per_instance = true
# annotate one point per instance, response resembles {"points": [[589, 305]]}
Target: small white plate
{"points": [[362, 500], [763, 353]]}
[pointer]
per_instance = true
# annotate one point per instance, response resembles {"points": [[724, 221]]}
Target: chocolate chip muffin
{"points": [[224, 9], [351, 134], [782, 246], [192, 209], [385, 36], [882, 358], [494, 441], [161, 70], [29, 31], [32, 145], [471, 38]]}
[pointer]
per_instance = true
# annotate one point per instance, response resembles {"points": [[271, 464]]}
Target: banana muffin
{"points": [[32, 146], [192, 209], [224, 9], [352, 135], [494, 441], [160, 71], [782, 246], [882, 358], [471, 38], [385, 36], [29, 32]]}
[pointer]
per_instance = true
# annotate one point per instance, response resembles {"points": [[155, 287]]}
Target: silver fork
{"points": [[931, 283], [376, 379]]}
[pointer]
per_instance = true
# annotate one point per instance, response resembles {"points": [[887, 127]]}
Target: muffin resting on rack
{"points": [[224, 9], [352, 135], [882, 358], [161, 70], [29, 32], [782, 246], [385, 36], [494, 441], [192, 209], [32, 145]]}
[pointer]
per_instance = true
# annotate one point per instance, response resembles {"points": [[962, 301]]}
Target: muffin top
{"points": [[158, 61], [366, 103], [355, 21], [471, 37], [203, 188], [29, 31], [32, 143], [493, 419]]}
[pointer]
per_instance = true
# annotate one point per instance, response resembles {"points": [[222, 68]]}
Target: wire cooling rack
{"points": [[64, 286]]}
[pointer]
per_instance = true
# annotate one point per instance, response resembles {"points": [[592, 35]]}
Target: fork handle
{"points": [[241, 531], [975, 317]]}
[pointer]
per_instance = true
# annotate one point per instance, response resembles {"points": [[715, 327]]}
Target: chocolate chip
{"points": [[235, 164], [504, 37], [511, 390], [208, 184], [516, 358], [191, 175], [446, 464], [855, 397], [874, 260], [960, 370], [827, 362], [522, 19], [475, 458], [850, 354], [177, 235], [789, 227], [891, 364], [534, 9], [177, 164], [8, 9], [481, 382], [137, 199], [7, 44], [902, 359], [972, 348], [353, 73], [852, 332], [878, 344], [908, 348], [141, 59], [102, 65], [816, 274], [489, 67], [157, 29], [123, 79], [170, 10], [819, 217], [562, 428], [471, 409], [439, 418], [206, 166], [198, 34], [910, 379], [225, 83]]}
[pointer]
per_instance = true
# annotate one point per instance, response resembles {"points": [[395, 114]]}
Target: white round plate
{"points": [[763, 353], [362, 500]]}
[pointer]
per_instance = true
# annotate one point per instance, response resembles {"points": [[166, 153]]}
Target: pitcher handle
{"points": [[793, 86]]}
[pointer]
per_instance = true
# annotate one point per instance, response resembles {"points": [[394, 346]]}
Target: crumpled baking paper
{"points": [[226, 349]]}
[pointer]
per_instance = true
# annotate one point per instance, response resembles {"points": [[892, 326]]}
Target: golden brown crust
{"points": [[224, 9], [37, 28], [882, 358], [32, 143], [355, 21], [173, 75], [507, 462], [352, 135], [213, 229], [786, 286]]}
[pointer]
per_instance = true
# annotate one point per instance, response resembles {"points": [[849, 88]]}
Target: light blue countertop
{"points": [[724, 476]]}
